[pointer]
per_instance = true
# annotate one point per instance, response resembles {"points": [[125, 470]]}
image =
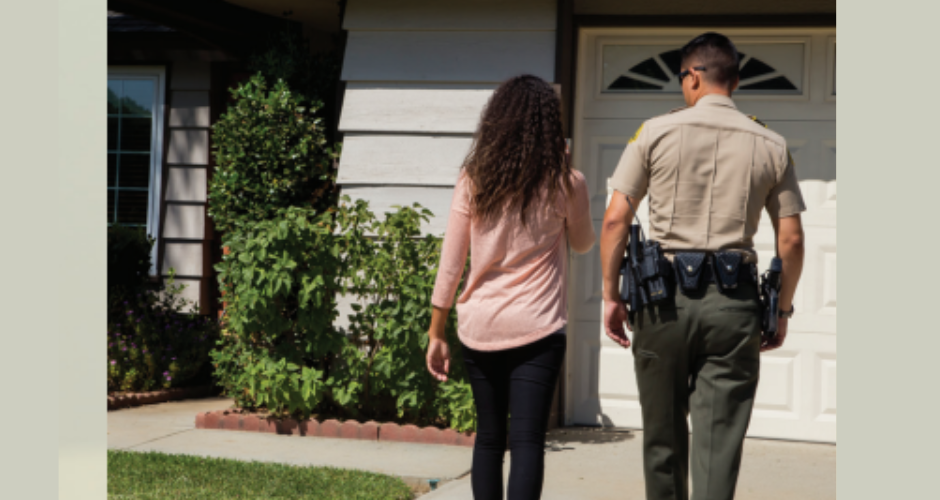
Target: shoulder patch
{"points": [[636, 134], [757, 121]]}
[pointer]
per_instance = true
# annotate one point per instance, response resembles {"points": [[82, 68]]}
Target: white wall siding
{"points": [[187, 159], [186, 184], [188, 147], [185, 222], [383, 198], [419, 160], [419, 110], [190, 109], [419, 73], [184, 258], [448, 56], [449, 15]]}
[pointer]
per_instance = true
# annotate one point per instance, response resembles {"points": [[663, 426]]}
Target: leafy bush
{"points": [[280, 280], [151, 345], [128, 257], [270, 153], [283, 351], [314, 76]]}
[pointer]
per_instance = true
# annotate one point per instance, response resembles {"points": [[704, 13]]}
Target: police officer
{"points": [[709, 171]]}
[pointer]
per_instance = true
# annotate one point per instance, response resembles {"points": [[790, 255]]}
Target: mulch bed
{"points": [[128, 399], [237, 420]]}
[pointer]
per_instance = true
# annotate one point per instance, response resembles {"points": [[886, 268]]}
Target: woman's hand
{"points": [[438, 359], [438, 350]]}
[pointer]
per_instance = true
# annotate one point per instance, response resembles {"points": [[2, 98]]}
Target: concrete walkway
{"points": [[599, 464], [588, 464], [170, 428]]}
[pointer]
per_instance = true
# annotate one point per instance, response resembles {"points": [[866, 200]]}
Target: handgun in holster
{"points": [[645, 271], [770, 297]]}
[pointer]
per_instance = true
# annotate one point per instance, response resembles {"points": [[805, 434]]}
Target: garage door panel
{"points": [[779, 389], [586, 282], [605, 381], [796, 397]]}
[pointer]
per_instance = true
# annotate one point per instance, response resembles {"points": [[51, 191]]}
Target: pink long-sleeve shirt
{"points": [[516, 290]]}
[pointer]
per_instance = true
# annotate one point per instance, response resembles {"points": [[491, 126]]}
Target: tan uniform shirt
{"points": [[709, 171]]}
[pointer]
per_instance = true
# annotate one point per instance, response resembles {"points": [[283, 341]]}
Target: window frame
{"points": [[156, 74], [680, 36]]}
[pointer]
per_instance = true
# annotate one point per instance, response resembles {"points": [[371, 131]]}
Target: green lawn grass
{"points": [[161, 476]]}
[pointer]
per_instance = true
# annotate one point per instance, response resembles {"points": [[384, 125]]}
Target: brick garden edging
{"points": [[234, 420], [161, 396]]}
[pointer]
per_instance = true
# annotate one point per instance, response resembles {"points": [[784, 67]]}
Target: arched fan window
{"points": [[659, 74]]}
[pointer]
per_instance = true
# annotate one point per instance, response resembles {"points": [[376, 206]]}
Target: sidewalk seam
{"points": [[154, 439]]}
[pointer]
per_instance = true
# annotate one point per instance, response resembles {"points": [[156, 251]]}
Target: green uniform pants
{"points": [[698, 355]]}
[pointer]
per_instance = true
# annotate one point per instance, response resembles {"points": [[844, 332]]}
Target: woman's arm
{"points": [[580, 229], [451, 267]]}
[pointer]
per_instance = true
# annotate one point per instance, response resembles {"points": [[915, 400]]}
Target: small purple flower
{"points": [[138, 320], [133, 344], [118, 325], [168, 378], [172, 359], [130, 312], [145, 351], [113, 361], [124, 349], [166, 374]]}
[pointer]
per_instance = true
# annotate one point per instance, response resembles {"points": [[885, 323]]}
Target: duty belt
{"points": [[694, 270]]}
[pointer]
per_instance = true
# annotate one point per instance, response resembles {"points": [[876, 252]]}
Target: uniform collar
{"points": [[716, 100]]}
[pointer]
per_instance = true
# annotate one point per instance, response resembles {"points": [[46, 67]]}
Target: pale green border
{"points": [[73, 299], [889, 176]]}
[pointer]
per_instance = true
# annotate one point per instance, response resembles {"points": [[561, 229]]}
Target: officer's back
{"points": [[709, 171]]}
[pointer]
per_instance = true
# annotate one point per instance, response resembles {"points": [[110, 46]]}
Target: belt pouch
{"points": [[689, 270], [727, 265]]}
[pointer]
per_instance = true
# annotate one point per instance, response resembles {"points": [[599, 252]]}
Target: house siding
{"points": [[187, 160], [418, 74]]}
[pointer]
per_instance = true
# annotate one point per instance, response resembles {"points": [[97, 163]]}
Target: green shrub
{"points": [[280, 281], [314, 76], [271, 153], [128, 257], [282, 350], [152, 344]]}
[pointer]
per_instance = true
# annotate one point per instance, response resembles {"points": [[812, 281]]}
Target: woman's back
{"points": [[515, 290]]}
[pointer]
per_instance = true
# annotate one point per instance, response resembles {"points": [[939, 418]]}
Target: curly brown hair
{"points": [[518, 150]]}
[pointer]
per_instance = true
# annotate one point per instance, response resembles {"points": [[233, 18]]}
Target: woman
{"points": [[517, 206]]}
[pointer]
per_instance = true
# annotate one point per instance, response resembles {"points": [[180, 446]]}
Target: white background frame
{"points": [[156, 74]]}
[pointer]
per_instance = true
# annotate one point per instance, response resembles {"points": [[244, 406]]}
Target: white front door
{"points": [[626, 76]]}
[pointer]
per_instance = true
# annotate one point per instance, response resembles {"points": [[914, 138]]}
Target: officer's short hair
{"points": [[716, 52]]}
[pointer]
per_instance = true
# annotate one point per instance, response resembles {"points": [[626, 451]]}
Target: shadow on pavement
{"points": [[560, 439]]}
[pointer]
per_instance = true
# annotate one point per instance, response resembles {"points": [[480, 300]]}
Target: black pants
{"points": [[519, 382]]}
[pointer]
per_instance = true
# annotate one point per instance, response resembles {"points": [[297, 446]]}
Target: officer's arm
{"points": [[789, 232], [614, 235]]}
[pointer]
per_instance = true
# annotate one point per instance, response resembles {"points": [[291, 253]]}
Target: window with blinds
{"points": [[135, 153], [130, 149]]}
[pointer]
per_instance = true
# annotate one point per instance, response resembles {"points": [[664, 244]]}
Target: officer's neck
{"points": [[713, 91]]}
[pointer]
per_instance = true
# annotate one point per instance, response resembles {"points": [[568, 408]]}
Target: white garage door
{"points": [[788, 81]]}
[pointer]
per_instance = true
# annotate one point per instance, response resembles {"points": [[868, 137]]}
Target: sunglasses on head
{"points": [[687, 72]]}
